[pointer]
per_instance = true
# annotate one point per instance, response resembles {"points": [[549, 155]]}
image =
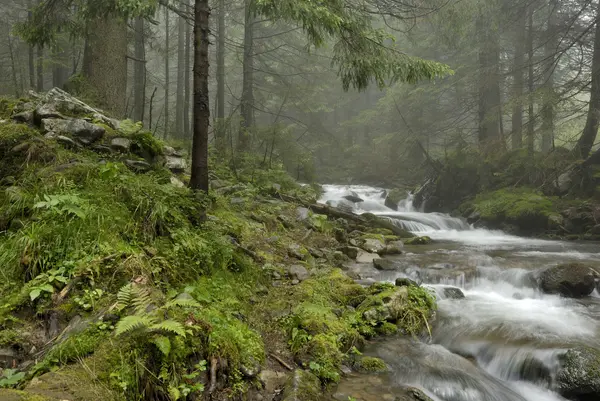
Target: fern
{"points": [[170, 326], [182, 303], [125, 296], [134, 322], [142, 299], [163, 344]]}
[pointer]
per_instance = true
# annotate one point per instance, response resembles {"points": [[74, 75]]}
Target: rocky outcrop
{"points": [[579, 375], [76, 128], [302, 386], [571, 280]]}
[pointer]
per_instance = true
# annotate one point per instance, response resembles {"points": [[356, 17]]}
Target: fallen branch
{"points": [[213, 375], [281, 361]]}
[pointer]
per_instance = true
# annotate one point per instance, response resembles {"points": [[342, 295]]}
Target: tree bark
{"points": [[11, 51], [40, 69], [106, 62], [179, 122], [489, 84], [547, 112], [188, 79], [167, 73], [530, 86], [199, 177], [247, 101], [139, 72], [31, 62], [590, 131], [518, 83], [220, 132], [60, 70]]}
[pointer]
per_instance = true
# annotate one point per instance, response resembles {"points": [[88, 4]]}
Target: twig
{"points": [[281, 361]]}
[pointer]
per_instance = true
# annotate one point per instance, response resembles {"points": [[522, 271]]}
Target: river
{"points": [[504, 339]]}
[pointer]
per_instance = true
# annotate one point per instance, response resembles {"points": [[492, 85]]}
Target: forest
{"points": [[299, 200]]}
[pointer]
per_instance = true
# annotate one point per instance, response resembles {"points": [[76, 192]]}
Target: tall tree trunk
{"points": [[518, 83], [31, 62], [247, 101], [188, 80], [220, 132], [139, 72], [167, 74], [530, 87], [549, 95], [199, 177], [586, 141], [60, 69], [13, 63], [179, 123], [106, 62], [40, 69], [489, 84]]}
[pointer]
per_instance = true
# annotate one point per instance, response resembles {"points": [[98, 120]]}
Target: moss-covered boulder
{"points": [[302, 386], [579, 375], [418, 241], [393, 198], [573, 280], [369, 364]]}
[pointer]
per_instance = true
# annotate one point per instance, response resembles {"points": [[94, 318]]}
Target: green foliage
{"points": [[369, 364], [11, 377]]}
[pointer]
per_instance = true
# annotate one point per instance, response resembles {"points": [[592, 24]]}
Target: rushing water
{"points": [[503, 340]]}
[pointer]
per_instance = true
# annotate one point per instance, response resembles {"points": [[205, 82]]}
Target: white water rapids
{"points": [[503, 341]]}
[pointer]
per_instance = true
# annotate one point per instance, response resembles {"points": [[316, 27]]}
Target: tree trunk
{"points": [[11, 51], [530, 87], [60, 70], [220, 132], [167, 73], [518, 83], [549, 95], [188, 80], [199, 177], [586, 141], [139, 72], [40, 69], [106, 62], [179, 123], [247, 101], [31, 62], [489, 84]]}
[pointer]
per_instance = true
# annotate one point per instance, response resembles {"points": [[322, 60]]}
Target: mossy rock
{"points": [[302, 386], [369, 364], [16, 395], [418, 241], [579, 376]]}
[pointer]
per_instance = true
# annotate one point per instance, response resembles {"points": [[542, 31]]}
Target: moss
{"points": [[146, 143], [6, 107], [387, 329], [17, 395], [75, 347], [418, 241], [381, 231], [370, 364]]}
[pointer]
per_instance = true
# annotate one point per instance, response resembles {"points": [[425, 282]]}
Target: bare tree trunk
{"points": [[518, 83], [11, 51], [199, 177], [179, 123], [549, 95], [530, 87], [31, 62], [247, 101], [489, 84], [60, 70], [40, 69], [188, 79], [167, 73], [220, 132], [139, 72], [106, 62], [586, 141]]}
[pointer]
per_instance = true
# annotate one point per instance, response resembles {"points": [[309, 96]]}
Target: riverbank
{"points": [[121, 284]]}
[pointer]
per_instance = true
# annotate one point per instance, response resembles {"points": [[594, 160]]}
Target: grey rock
{"points": [[170, 151], [46, 110], [373, 245], [392, 248], [298, 272], [302, 386], [579, 376], [176, 182], [405, 282], [66, 141], [572, 280], [367, 257], [176, 164], [295, 282], [390, 310], [453, 293], [353, 198], [79, 129], [250, 369], [237, 201], [25, 117], [139, 166], [295, 251], [316, 253], [272, 380], [384, 264], [121, 144], [101, 149], [302, 213], [350, 251], [216, 184]]}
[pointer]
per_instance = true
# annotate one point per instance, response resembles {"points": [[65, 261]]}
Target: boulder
{"points": [[169, 151], [573, 280], [386, 306], [302, 214], [175, 164], [176, 182], [298, 272], [393, 198], [579, 375], [78, 129], [295, 251], [353, 198], [302, 386], [66, 141], [418, 241], [405, 282], [384, 264], [373, 245], [366, 257], [411, 394], [25, 117], [139, 166], [350, 251], [46, 110], [392, 248], [121, 144], [272, 380], [453, 293]]}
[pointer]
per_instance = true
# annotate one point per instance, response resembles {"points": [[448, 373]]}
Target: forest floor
{"points": [[119, 283]]}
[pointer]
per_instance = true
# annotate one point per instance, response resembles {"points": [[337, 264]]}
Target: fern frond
{"points": [[132, 323], [125, 296], [182, 303], [169, 326], [141, 300], [163, 344]]}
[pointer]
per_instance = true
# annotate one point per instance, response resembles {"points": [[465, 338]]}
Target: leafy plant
{"points": [[11, 377], [89, 298], [69, 205]]}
